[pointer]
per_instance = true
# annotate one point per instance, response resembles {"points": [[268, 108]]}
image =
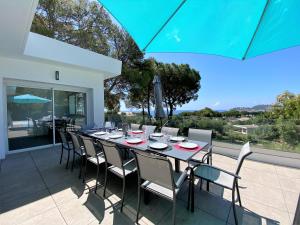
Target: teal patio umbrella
{"points": [[29, 99], [232, 28]]}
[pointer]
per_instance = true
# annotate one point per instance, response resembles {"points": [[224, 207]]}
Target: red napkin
{"points": [[178, 147], [134, 133], [126, 143]]}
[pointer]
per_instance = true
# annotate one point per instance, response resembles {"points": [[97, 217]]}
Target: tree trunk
{"points": [[171, 110], [148, 101], [143, 111]]}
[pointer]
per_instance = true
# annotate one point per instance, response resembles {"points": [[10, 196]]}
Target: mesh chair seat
{"points": [[215, 175], [129, 167], [179, 178], [80, 151], [101, 159], [66, 146]]}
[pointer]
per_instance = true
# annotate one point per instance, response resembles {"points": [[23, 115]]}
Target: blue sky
{"points": [[228, 83]]}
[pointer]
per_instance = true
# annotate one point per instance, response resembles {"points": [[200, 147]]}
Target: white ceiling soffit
{"points": [[41, 47], [15, 22]]}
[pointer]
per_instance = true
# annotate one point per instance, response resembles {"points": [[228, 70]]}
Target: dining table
{"points": [[173, 150]]}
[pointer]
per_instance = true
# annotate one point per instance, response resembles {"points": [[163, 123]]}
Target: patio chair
{"points": [[78, 149], [134, 126], [148, 129], [108, 124], [172, 131], [65, 145], [93, 156], [222, 177], [204, 136], [115, 164], [155, 174], [206, 154]]}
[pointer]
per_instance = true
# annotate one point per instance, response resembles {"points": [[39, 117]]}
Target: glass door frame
{"points": [[48, 86]]}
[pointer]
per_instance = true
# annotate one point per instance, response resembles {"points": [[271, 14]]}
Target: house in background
{"points": [[44, 82], [245, 129]]}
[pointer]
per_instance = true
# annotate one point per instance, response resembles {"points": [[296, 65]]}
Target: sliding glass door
{"points": [[34, 115], [70, 110], [29, 117]]}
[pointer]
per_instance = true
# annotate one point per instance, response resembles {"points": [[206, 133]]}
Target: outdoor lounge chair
{"points": [[155, 174], [93, 156], [222, 177], [65, 145], [78, 149], [172, 131], [115, 164]]}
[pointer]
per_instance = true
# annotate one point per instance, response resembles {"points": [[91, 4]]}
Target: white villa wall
{"points": [[43, 72]]}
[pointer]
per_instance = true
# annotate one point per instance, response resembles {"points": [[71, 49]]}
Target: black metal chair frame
{"points": [[235, 185], [123, 170], [159, 194], [64, 146], [81, 154]]}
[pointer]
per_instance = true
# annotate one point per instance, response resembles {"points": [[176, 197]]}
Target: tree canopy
{"points": [[86, 24]]}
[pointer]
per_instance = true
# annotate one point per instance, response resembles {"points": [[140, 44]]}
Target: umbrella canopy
{"points": [[233, 28], [29, 99], [159, 111]]}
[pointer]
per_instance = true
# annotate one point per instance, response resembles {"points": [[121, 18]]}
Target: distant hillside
{"points": [[257, 108]]}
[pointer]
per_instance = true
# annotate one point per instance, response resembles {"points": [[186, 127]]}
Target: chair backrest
{"points": [[112, 154], [89, 146], [75, 141], [154, 168], [134, 126], [245, 151], [200, 135], [108, 124], [148, 129], [63, 138], [170, 131]]}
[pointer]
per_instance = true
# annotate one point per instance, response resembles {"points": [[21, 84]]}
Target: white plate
{"points": [[134, 140], [188, 145], [99, 133], [174, 138], [157, 145], [157, 134], [137, 131], [115, 136]]}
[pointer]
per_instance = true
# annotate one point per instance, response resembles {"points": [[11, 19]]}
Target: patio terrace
{"points": [[35, 189]]}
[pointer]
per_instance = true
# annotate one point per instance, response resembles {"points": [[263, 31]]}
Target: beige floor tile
{"points": [[268, 196], [252, 176], [62, 193], [289, 184], [25, 208], [255, 213], [288, 172], [291, 200], [75, 212], [260, 167], [50, 217], [183, 216]]}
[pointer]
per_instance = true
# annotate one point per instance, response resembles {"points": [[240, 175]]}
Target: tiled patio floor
{"points": [[35, 189]]}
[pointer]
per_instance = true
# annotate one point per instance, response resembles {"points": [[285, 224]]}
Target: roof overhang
{"points": [[16, 40]]}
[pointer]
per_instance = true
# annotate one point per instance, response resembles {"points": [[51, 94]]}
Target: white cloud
{"points": [[217, 103]]}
